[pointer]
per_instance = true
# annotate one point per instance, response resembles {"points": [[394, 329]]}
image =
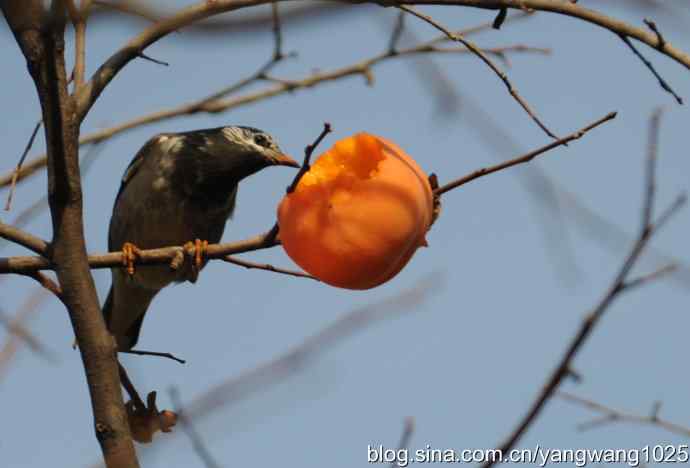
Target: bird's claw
{"points": [[145, 421], [197, 251], [130, 253]]}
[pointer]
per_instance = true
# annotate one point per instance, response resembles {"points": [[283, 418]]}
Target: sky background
{"points": [[468, 361]]}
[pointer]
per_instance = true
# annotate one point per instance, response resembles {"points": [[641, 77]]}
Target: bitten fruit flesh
{"points": [[359, 214]]}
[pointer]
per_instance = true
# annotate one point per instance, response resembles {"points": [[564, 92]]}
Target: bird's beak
{"points": [[284, 160]]}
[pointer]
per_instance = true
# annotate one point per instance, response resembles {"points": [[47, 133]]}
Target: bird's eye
{"points": [[261, 140]]}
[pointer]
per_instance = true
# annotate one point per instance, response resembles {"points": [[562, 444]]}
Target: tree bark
{"points": [[40, 35]]}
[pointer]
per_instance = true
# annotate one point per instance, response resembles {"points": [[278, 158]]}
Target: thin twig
{"points": [[48, 283], [408, 430], [218, 102], [616, 288], [129, 387], [30, 306], [266, 266], [40, 205], [79, 23], [613, 415], [659, 37], [187, 426], [308, 151], [397, 33], [16, 328], [297, 358], [23, 238], [277, 33], [478, 52], [17, 170], [524, 158], [500, 18], [664, 85], [646, 278], [151, 59], [138, 352]]}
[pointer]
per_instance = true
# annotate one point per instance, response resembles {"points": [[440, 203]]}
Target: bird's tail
{"points": [[124, 315]]}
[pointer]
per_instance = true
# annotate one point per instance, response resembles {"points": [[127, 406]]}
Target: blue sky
{"points": [[468, 361]]}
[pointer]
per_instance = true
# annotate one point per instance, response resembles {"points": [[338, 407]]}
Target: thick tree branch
{"points": [[41, 39]]}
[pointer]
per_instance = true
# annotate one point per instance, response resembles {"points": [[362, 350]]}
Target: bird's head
{"points": [[217, 159], [238, 152]]}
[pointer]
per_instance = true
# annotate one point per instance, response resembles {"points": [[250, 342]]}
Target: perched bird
{"points": [[179, 187]]}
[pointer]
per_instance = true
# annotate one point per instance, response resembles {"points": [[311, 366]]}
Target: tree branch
{"points": [[40, 36], [522, 159], [106, 72], [173, 255], [612, 415], [478, 52], [218, 101], [617, 287]]}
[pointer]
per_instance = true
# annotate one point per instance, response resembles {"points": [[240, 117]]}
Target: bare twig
{"points": [[168, 254], [500, 18], [612, 415], [267, 267], [139, 352], [219, 102], [308, 151], [15, 327], [408, 430], [187, 426], [29, 307], [298, 357], [197, 12], [616, 288], [17, 170], [152, 60], [646, 278], [479, 53], [23, 238], [522, 159], [78, 17], [397, 32], [664, 85], [41, 204], [277, 33], [47, 283], [129, 387]]}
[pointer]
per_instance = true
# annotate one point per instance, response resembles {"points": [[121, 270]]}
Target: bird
{"points": [[178, 188]]}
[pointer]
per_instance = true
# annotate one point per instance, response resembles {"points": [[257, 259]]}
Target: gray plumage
{"points": [[179, 187]]}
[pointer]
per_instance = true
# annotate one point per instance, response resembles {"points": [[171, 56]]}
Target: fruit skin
{"points": [[360, 213]]}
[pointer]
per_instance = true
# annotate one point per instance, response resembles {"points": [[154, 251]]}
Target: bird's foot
{"points": [[130, 253], [196, 251], [146, 420]]}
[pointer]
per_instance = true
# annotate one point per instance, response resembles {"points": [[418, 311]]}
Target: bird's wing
{"points": [[131, 171], [136, 163]]}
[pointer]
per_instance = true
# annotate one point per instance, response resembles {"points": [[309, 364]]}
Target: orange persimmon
{"points": [[359, 214]]}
